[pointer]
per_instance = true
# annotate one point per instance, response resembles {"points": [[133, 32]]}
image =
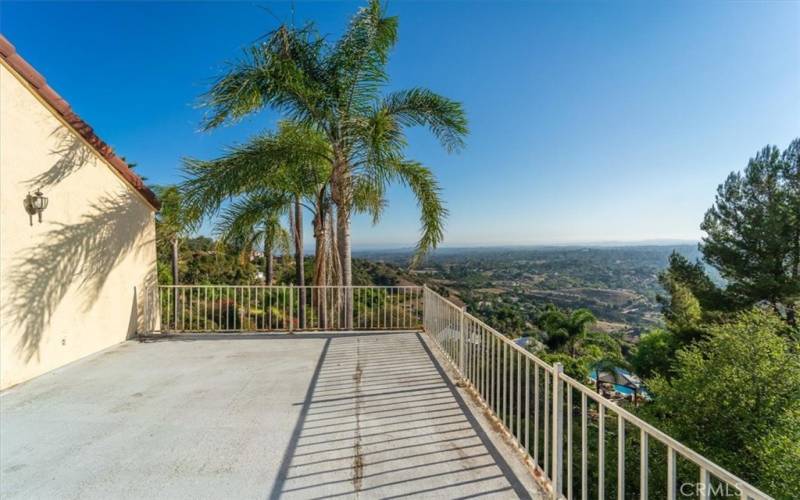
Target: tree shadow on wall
{"points": [[77, 256], [70, 155]]}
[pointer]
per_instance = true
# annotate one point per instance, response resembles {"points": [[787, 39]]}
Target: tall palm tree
{"points": [[337, 89], [172, 224], [286, 169]]}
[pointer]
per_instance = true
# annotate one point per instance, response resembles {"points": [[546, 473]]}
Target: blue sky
{"points": [[590, 121]]}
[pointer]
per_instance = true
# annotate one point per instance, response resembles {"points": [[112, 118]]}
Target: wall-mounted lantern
{"points": [[35, 204]]}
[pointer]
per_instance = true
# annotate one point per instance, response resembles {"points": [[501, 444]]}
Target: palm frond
{"points": [[444, 117], [289, 160], [357, 63], [284, 73], [369, 197], [278, 238], [433, 213]]}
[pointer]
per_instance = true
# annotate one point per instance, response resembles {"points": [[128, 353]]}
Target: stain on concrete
{"points": [[358, 455]]}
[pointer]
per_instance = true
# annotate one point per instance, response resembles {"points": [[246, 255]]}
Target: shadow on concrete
{"points": [[382, 419], [369, 415]]}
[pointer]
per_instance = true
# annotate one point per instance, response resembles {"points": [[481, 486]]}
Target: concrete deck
{"points": [[295, 416]]}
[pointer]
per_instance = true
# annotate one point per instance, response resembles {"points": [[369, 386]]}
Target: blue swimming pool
{"points": [[622, 389]]}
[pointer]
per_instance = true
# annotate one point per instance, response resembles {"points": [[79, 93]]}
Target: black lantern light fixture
{"points": [[35, 204]]}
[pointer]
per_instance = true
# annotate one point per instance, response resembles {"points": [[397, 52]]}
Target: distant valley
{"points": [[509, 286]]}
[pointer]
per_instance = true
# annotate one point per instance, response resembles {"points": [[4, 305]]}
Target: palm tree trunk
{"points": [[299, 261], [334, 269], [345, 256], [269, 264], [341, 191], [335, 263], [320, 264]]}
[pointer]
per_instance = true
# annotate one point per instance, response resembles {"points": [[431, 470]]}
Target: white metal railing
{"points": [[224, 308], [584, 445], [569, 439]]}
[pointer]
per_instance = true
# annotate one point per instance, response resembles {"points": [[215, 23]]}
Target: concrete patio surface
{"points": [[361, 415]]}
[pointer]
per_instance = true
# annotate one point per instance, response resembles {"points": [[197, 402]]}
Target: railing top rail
{"points": [[416, 287]]}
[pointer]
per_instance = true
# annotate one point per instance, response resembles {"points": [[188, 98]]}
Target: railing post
{"points": [[291, 307], [461, 349], [558, 430], [424, 307]]}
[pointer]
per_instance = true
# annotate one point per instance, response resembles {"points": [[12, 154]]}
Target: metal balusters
{"points": [[584, 448], [705, 484], [470, 353], [291, 308], [558, 430], [569, 441], [620, 456], [672, 474], [643, 465], [601, 453], [461, 344], [191, 325], [473, 349], [527, 404], [484, 361], [168, 316], [504, 382], [536, 415], [207, 308], [496, 359], [546, 421], [177, 314], [183, 309], [519, 397]]}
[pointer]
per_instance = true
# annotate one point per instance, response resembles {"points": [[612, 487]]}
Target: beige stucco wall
{"points": [[73, 284]]}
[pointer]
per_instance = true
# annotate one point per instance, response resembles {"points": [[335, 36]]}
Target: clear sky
{"points": [[595, 121]]}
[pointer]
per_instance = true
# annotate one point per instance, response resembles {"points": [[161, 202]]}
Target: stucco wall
{"points": [[73, 284]]}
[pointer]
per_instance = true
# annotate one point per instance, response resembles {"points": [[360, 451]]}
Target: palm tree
{"points": [[172, 224], [251, 221], [281, 169], [336, 89], [286, 170], [565, 330]]}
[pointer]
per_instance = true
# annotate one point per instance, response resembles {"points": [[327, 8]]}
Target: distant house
{"points": [[71, 284]]}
